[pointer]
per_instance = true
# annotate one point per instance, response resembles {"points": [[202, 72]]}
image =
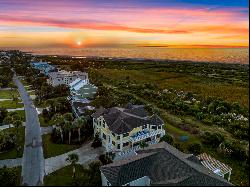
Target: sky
{"points": [[112, 23]]}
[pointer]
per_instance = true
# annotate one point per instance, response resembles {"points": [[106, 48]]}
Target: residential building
{"points": [[160, 165], [81, 93], [122, 129], [81, 89], [79, 108], [65, 77], [44, 67]]}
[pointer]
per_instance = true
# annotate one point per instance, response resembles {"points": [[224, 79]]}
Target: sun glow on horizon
{"points": [[79, 43], [87, 24]]}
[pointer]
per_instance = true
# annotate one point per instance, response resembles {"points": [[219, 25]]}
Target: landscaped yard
{"points": [[13, 153], [10, 104], [6, 94], [62, 177], [51, 149], [90, 176]]}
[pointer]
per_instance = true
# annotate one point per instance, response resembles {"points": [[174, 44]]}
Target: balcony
{"points": [[130, 152], [145, 134]]}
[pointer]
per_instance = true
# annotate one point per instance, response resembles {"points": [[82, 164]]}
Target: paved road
{"points": [[10, 163], [33, 159]]}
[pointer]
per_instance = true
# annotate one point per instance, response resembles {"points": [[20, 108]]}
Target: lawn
{"points": [[12, 153], [62, 177], [51, 149], [6, 94], [10, 104]]}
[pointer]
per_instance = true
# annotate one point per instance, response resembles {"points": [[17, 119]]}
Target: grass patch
{"points": [[6, 94], [51, 149], [10, 104], [62, 177], [12, 153]]}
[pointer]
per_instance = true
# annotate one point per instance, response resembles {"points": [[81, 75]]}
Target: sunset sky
{"points": [[106, 23]]}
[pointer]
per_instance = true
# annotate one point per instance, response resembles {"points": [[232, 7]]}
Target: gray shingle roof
{"points": [[156, 120], [123, 120], [164, 165]]}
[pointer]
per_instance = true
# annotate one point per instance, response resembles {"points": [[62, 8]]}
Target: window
{"points": [[113, 142], [104, 136], [153, 127], [125, 144], [118, 137], [103, 124], [118, 146], [126, 134]]}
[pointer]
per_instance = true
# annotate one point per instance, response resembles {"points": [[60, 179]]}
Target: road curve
{"points": [[33, 159]]}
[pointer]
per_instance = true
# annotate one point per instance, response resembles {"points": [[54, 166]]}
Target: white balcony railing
{"points": [[144, 135], [130, 152]]}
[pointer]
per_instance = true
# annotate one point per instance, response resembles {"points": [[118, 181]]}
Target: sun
{"points": [[79, 43]]}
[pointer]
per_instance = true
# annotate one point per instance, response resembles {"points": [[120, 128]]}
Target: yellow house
{"points": [[122, 129]]}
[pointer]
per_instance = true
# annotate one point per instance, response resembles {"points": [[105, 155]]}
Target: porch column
{"points": [[229, 175]]}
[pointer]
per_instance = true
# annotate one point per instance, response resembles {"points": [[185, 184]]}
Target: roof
{"points": [[74, 82], [63, 73], [164, 165], [213, 164], [123, 120], [156, 120]]}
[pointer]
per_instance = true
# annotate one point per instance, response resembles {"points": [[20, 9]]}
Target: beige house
{"points": [[122, 129], [65, 77]]}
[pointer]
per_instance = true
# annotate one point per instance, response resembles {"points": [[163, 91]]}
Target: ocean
{"points": [[223, 55]]}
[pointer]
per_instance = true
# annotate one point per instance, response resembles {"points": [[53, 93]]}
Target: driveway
{"points": [[86, 155]]}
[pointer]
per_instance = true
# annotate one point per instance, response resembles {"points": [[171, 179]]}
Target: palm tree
{"points": [[59, 120], [143, 144], [17, 124], [51, 103], [73, 159], [68, 127], [68, 117], [79, 123]]}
